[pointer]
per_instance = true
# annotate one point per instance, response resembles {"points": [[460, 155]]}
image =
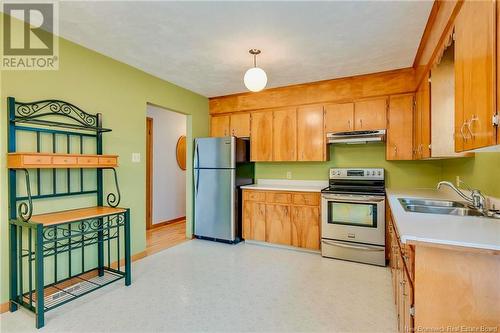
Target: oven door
{"points": [[354, 218]]}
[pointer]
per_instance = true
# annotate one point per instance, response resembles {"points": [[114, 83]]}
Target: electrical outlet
{"points": [[136, 157], [457, 181], [288, 175]]}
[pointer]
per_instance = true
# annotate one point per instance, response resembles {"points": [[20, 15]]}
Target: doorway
{"points": [[165, 178]]}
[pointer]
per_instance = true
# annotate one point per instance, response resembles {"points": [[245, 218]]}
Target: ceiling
{"points": [[203, 46]]}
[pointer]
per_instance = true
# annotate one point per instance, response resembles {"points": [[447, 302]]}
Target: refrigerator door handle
{"points": [[197, 157], [197, 181]]}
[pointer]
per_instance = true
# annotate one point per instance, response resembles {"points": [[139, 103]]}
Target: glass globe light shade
{"points": [[255, 79]]}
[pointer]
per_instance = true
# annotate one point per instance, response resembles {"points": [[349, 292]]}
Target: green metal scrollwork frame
{"points": [[65, 243]]}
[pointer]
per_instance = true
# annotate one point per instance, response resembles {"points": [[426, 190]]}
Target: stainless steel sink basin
{"points": [[458, 211], [430, 202]]}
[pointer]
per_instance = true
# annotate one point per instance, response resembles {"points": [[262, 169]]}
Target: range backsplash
{"points": [[481, 171]]}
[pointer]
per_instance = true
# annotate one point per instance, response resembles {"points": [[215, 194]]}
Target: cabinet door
{"points": [[278, 224], [261, 141], [254, 220], [370, 114], [475, 75], [306, 227], [339, 117], [422, 122], [285, 135], [310, 134], [407, 295], [400, 127], [219, 126], [240, 125]]}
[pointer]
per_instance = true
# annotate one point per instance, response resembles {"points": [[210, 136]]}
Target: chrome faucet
{"points": [[476, 198]]}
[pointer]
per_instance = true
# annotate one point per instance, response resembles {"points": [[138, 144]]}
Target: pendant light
{"points": [[255, 78]]}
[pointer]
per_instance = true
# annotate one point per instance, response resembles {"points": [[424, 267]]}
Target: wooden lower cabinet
{"points": [[254, 220], [278, 224], [402, 282], [280, 217], [306, 227], [443, 288]]}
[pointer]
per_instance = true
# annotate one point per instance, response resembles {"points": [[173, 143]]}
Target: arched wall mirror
{"points": [[180, 152]]}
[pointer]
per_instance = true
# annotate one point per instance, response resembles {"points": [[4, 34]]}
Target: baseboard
{"points": [[161, 224], [4, 307]]}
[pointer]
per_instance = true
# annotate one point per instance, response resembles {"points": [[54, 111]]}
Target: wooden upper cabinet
{"points": [[339, 117], [422, 122], [240, 125], [400, 127], [366, 114], [285, 135], [219, 126], [261, 141], [475, 72], [498, 70], [310, 133], [370, 114]]}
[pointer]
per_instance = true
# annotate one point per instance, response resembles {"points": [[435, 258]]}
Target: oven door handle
{"points": [[355, 247], [347, 200]]}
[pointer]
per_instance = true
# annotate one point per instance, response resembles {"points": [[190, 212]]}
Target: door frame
{"points": [[149, 173]]}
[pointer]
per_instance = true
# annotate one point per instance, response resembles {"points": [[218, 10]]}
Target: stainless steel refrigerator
{"points": [[221, 166]]}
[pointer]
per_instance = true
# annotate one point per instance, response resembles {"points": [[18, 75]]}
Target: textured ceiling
{"points": [[203, 46]]}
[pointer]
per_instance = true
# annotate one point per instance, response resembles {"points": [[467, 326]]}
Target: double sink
{"points": [[438, 207]]}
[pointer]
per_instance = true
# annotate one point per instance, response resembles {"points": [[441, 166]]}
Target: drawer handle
{"points": [[355, 247]]}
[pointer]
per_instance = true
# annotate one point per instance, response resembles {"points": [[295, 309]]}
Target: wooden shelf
{"points": [[64, 161], [75, 215]]}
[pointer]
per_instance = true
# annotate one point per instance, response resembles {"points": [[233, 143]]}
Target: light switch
{"points": [[288, 175], [136, 157]]}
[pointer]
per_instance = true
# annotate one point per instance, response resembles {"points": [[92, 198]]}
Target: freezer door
{"points": [[214, 153], [214, 192]]}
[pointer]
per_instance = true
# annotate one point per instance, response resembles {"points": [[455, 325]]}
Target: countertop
{"points": [[288, 185], [466, 231]]}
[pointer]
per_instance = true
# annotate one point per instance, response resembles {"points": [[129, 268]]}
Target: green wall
{"points": [[400, 174], [97, 83], [482, 172]]}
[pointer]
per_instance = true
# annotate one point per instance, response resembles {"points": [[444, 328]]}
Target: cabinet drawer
{"points": [[277, 197], [254, 195], [108, 160], [309, 199], [63, 160], [88, 160], [33, 159]]}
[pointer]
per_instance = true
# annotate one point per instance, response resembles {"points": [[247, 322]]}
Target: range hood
{"points": [[356, 137]]}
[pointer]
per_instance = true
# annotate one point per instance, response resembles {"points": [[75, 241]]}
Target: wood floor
{"points": [[166, 236]]}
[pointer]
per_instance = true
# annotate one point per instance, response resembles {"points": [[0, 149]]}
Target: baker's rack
{"points": [[60, 256]]}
